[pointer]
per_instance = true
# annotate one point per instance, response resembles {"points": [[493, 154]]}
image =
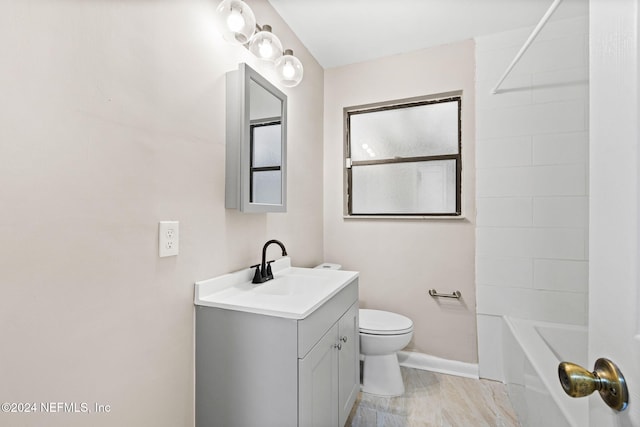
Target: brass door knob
{"points": [[606, 378]]}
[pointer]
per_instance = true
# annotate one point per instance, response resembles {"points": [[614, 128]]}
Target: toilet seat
{"points": [[378, 322]]}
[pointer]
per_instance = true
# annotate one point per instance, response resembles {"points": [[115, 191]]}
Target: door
{"points": [[614, 228]]}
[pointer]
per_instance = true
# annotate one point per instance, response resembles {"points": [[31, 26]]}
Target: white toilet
{"points": [[382, 334]]}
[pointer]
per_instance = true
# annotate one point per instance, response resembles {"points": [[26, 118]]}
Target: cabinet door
{"points": [[319, 383], [348, 362]]}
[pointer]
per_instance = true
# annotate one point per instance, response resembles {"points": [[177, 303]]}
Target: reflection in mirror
{"points": [[265, 134], [266, 167], [256, 143]]}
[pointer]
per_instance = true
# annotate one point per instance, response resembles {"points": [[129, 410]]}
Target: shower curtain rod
{"points": [[526, 45]]}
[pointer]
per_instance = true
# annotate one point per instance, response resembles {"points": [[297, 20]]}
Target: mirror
{"points": [[256, 173]]}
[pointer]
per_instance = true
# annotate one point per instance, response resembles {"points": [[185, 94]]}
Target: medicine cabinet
{"points": [[256, 143]]}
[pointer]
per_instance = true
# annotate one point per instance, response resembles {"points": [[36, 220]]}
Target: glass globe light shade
{"points": [[236, 21], [265, 45], [289, 69]]}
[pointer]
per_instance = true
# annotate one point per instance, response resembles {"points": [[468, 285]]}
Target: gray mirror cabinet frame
{"points": [[256, 143]]}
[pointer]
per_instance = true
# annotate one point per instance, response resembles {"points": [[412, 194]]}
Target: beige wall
{"points": [[112, 119], [400, 260]]}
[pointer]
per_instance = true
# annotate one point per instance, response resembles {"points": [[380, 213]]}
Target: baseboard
{"points": [[412, 359]]}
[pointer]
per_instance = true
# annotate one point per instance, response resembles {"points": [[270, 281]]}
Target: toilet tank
{"points": [[329, 266]]}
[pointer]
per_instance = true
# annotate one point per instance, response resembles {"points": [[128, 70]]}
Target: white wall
{"points": [[112, 118], [532, 181], [400, 260]]}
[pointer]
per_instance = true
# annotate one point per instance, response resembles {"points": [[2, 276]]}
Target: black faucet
{"points": [[263, 270]]}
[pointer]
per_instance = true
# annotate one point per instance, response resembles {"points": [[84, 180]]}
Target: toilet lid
{"points": [[378, 322]]}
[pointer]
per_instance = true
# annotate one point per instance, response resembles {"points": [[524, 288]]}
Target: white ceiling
{"points": [[340, 32]]}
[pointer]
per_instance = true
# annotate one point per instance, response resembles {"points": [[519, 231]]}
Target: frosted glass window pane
{"points": [[267, 187], [424, 130], [405, 188], [267, 150]]}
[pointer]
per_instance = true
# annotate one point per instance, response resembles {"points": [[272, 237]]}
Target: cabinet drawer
{"points": [[314, 326]]}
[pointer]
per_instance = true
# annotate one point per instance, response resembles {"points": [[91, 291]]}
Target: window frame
{"points": [[392, 105]]}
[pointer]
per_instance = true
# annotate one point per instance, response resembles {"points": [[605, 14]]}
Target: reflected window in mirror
{"points": [[266, 162]]}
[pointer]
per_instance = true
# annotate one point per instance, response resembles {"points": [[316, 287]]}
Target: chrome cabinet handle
{"points": [[338, 346], [606, 378], [343, 338]]}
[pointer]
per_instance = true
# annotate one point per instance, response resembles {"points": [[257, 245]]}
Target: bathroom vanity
{"points": [[280, 353]]}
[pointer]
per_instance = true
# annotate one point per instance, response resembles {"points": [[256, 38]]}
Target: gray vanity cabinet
{"points": [[329, 374], [263, 370]]}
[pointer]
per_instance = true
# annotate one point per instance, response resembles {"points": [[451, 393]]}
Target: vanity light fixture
{"points": [[289, 69], [238, 26], [236, 21], [266, 45]]}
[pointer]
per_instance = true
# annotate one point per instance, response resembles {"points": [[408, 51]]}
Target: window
{"points": [[403, 158]]}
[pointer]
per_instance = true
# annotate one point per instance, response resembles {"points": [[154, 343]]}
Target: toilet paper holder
{"points": [[436, 294]]}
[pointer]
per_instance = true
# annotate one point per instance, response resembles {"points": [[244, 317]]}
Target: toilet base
{"points": [[382, 376]]}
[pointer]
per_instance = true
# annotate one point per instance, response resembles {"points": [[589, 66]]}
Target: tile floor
{"points": [[440, 400]]}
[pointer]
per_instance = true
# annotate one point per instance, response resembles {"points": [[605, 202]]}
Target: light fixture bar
{"points": [[239, 26]]}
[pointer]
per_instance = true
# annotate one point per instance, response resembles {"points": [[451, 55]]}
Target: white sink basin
{"points": [[293, 293], [292, 284]]}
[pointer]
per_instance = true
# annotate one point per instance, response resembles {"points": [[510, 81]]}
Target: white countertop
{"points": [[294, 292]]}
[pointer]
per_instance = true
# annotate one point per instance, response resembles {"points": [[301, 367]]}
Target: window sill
{"points": [[407, 217]]}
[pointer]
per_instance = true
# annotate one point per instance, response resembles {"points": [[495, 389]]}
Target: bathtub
{"points": [[532, 352]]}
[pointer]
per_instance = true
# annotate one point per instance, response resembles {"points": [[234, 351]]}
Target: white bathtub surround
{"points": [[490, 352], [532, 182], [533, 351]]}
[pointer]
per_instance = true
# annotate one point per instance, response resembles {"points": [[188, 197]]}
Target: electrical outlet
{"points": [[168, 236]]}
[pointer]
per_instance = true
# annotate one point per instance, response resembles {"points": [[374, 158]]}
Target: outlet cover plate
{"points": [[168, 238]]}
